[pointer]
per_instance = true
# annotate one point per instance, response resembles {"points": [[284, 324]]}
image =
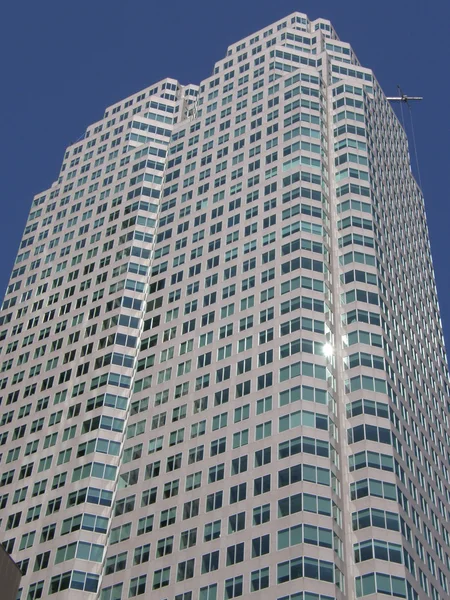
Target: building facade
{"points": [[223, 372]]}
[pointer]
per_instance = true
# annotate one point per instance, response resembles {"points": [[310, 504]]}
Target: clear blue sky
{"points": [[63, 62]]}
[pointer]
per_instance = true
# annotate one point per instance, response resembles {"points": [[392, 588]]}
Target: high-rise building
{"points": [[223, 371]]}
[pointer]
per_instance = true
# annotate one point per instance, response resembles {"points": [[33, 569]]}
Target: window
{"points": [[116, 563], [176, 437], [165, 546], [53, 505], [195, 454], [261, 485], [171, 488], [305, 567], [32, 514], [145, 525], [263, 430], [260, 545], [382, 583], [261, 514], [184, 596], [48, 533], [137, 586], [41, 561], [243, 366], [263, 405], [35, 590], [200, 404], [240, 438], [236, 522], [222, 396], [245, 344], [168, 517], [188, 538], [216, 473], [259, 579], [243, 389], [83, 550], [193, 481], [239, 465], [210, 562], [241, 413], [263, 457], [218, 446], [378, 549], [214, 501], [141, 554], [209, 592], [161, 578], [191, 509], [174, 462], [219, 421], [377, 518], [185, 570], [238, 493], [233, 587], [212, 531], [235, 554]]}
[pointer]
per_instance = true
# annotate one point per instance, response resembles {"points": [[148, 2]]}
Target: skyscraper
{"points": [[223, 372]]}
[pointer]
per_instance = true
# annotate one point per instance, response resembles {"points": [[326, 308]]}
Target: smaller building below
{"points": [[10, 576]]}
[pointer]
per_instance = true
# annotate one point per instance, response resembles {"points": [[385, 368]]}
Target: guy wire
{"points": [[415, 148]]}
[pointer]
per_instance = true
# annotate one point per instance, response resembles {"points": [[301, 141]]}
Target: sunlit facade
{"points": [[223, 371]]}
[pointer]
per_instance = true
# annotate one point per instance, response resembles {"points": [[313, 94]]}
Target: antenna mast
{"points": [[403, 97]]}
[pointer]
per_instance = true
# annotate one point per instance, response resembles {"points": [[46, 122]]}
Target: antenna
{"points": [[406, 99], [403, 97]]}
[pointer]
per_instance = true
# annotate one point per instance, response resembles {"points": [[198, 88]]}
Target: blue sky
{"points": [[64, 62]]}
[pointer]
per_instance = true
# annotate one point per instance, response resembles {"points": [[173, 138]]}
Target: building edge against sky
{"points": [[223, 371]]}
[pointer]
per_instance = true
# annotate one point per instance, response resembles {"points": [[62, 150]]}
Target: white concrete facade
{"points": [[223, 371]]}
